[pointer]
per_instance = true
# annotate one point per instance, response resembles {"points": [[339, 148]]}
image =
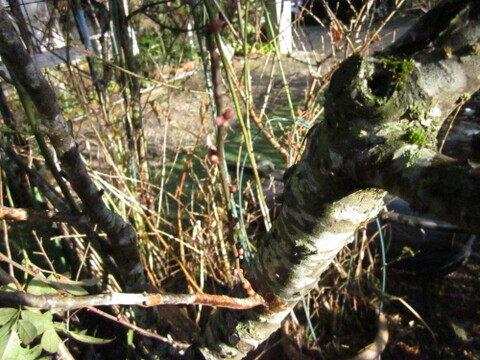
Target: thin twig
{"points": [[20, 214], [124, 322]]}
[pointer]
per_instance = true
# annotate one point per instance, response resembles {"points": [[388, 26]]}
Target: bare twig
{"points": [[64, 302], [20, 214], [140, 330]]}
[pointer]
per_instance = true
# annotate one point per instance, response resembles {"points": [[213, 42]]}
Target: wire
{"points": [[384, 262], [310, 326]]}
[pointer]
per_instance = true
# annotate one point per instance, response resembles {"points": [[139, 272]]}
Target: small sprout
{"points": [[220, 121], [212, 149], [228, 114], [240, 253]]}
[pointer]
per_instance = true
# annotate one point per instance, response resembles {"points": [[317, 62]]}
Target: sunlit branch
{"points": [[65, 302]]}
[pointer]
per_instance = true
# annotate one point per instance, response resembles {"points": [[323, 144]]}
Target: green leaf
{"points": [[38, 195], [7, 328], [37, 287], [9, 346], [50, 341], [6, 314], [9, 287], [27, 331], [41, 321], [88, 339], [30, 354]]}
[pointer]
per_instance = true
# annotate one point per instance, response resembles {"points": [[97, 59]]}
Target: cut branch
{"points": [[19, 214], [65, 302]]}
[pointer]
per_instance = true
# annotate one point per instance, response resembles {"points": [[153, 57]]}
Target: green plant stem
{"points": [[220, 108], [284, 80], [248, 143], [245, 129]]}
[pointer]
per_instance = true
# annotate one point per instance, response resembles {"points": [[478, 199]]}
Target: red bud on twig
{"points": [[213, 154], [228, 114], [220, 120], [216, 26], [214, 159]]}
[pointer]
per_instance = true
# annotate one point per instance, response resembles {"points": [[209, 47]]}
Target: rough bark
{"points": [[21, 66], [392, 119], [382, 118]]}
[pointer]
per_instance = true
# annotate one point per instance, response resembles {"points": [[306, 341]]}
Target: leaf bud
{"points": [[219, 120], [228, 114]]}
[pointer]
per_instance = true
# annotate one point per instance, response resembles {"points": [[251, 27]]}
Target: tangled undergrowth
{"points": [[154, 128]]}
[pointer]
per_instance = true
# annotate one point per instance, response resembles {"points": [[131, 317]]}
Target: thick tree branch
{"points": [[24, 70], [382, 117], [434, 184], [385, 114], [420, 222]]}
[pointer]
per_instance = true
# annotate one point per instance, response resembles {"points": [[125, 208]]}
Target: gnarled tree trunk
{"points": [[383, 114]]}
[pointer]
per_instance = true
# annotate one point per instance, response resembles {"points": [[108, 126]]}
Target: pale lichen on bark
{"points": [[382, 115]]}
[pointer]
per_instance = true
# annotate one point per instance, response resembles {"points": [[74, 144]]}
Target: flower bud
{"points": [[213, 154], [212, 149], [214, 159], [219, 121], [228, 114]]}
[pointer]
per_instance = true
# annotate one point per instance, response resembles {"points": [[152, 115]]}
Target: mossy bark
{"points": [[382, 117]]}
